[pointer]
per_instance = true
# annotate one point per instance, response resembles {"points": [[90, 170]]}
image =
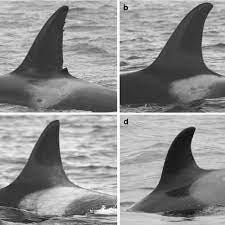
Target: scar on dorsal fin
{"points": [[44, 167], [182, 54], [180, 168], [46, 54]]}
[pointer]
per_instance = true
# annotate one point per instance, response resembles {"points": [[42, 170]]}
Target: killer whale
{"points": [[41, 82], [43, 187], [178, 74], [184, 187]]}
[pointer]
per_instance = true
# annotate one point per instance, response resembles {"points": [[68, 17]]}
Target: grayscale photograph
{"points": [[58, 56], [172, 56], [172, 169], [58, 170]]}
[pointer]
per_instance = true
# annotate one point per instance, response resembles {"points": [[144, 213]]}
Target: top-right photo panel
{"points": [[172, 56]]}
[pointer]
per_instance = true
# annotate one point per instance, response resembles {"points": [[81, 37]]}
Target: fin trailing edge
{"points": [[46, 54], [182, 54], [180, 168], [44, 166]]}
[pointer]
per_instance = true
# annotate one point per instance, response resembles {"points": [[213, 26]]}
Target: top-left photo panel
{"points": [[58, 56]]}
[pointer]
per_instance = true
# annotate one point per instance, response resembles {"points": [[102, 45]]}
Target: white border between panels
{"points": [[118, 112], [169, 113], [57, 114]]}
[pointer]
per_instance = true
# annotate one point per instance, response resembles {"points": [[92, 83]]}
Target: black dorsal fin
{"points": [[46, 54], [44, 167], [182, 54], [180, 167]]}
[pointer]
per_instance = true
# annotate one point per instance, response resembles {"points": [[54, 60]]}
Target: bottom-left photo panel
{"points": [[58, 169]]}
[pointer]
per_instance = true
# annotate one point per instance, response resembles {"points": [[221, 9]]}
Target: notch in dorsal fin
{"points": [[46, 54], [182, 54], [44, 168], [180, 167]]}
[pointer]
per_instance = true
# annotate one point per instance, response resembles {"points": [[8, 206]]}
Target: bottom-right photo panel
{"points": [[172, 169]]}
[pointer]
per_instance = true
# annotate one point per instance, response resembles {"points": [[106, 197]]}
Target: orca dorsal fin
{"points": [[46, 54], [180, 166], [44, 167], [182, 54]]}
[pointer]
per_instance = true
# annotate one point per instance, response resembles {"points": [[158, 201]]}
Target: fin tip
{"points": [[54, 124], [205, 7], [46, 52], [190, 130], [64, 8], [184, 46]]}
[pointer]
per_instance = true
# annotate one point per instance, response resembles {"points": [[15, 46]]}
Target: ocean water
{"points": [[89, 45], [145, 29], [144, 145], [88, 151]]}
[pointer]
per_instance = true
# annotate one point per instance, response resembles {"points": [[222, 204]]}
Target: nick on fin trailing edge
{"points": [[41, 82]]}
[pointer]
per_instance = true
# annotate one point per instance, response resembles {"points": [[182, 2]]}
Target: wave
{"points": [[85, 48], [133, 57], [78, 157], [86, 27], [123, 63], [78, 9], [19, 215], [219, 45], [94, 167]]}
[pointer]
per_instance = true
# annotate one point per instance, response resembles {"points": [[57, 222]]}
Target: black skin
{"points": [[142, 87]]}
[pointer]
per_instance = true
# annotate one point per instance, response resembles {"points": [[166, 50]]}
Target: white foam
{"points": [[194, 88], [104, 211]]}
